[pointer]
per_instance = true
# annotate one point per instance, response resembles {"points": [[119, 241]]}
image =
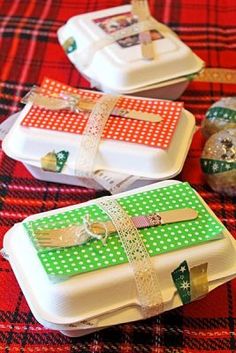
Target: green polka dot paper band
{"points": [[213, 166], [221, 113], [93, 255]]}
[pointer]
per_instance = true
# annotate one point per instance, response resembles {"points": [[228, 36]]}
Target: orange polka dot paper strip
{"points": [[154, 134]]}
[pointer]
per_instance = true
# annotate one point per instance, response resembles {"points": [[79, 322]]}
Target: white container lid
{"points": [[122, 70], [65, 304], [29, 145]]}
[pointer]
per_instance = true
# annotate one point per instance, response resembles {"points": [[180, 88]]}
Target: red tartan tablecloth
{"points": [[29, 51]]}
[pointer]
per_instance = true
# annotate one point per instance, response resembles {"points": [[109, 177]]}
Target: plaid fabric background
{"points": [[29, 51]]}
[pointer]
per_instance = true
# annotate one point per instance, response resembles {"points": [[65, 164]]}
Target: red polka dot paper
{"points": [[117, 128]]}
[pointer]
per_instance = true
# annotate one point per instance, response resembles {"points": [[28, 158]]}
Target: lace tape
{"points": [[86, 55], [146, 279], [84, 166]]}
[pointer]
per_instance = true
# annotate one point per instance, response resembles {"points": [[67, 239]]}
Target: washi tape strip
{"points": [[146, 279], [192, 283], [221, 113], [90, 139], [213, 166], [69, 45], [54, 162], [199, 286], [181, 278], [217, 75]]}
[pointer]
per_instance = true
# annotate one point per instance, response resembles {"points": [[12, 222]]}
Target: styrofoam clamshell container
{"points": [[120, 68], [87, 302], [149, 164]]}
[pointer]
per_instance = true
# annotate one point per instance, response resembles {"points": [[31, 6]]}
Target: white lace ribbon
{"points": [[90, 139], [85, 56], [146, 279]]}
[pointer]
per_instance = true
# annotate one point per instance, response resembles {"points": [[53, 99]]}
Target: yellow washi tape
{"points": [[217, 75], [49, 162], [198, 281]]}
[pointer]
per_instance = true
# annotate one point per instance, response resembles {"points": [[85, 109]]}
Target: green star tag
{"points": [[181, 278]]}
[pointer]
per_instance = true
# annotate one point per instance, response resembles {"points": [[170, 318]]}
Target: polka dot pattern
{"points": [[117, 128], [158, 240]]}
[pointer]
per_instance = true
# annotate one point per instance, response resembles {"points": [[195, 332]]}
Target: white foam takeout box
{"points": [[122, 70], [148, 164], [88, 302]]}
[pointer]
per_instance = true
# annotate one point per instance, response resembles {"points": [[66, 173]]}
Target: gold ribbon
{"points": [[198, 281], [49, 162]]}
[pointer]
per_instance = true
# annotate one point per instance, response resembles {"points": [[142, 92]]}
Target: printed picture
{"points": [[114, 23]]}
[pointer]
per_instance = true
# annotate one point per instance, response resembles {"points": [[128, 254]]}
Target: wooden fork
{"points": [[80, 234]]}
